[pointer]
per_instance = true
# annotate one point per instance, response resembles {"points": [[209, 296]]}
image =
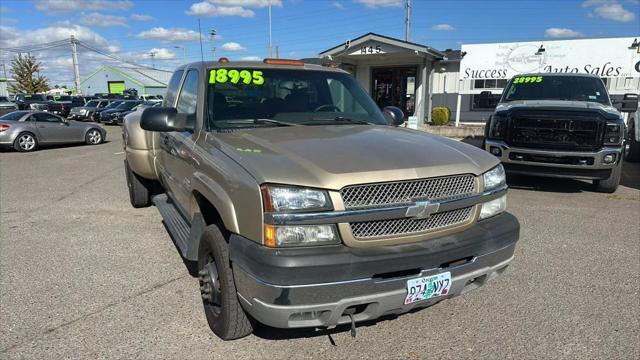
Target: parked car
{"points": [[37, 102], [112, 116], [95, 114], [67, 102], [6, 106], [27, 130], [151, 98], [559, 125], [85, 112], [305, 205], [138, 107], [633, 140]]}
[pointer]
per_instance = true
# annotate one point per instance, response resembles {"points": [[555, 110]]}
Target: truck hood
{"points": [[607, 110], [334, 156]]}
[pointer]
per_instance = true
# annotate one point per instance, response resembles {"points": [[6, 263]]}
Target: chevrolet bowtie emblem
{"points": [[422, 209]]}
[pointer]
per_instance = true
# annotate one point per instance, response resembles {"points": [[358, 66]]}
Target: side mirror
{"points": [[162, 119], [629, 103], [394, 115]]}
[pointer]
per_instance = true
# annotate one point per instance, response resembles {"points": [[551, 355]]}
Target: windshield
{"points": [[555, 87], [32, 97], [247, 97], [16, 115], [127, 105], [93, 103], [113, 104]]}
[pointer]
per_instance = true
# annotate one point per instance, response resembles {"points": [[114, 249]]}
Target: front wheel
{"points": [[93, 137], [611, 184], [25, 142], [225, 315]]}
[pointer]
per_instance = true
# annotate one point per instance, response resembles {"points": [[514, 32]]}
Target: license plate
{"points": [[427, 287]]}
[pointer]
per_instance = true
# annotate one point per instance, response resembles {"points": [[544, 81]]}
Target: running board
{"points": [[174, 222]]}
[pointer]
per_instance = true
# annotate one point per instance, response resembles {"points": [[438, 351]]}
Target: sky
{"points": [[134, 29]]}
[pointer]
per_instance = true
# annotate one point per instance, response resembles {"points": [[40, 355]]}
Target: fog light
{"points": [[609, 158], [495, 151], [493, 207]]}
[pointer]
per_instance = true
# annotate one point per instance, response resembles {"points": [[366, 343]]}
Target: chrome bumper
{"points": [[598, 156]]}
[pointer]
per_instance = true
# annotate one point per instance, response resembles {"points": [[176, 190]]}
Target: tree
{"points": [[26, 73]]}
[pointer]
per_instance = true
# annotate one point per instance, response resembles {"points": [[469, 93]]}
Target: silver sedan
{"points": [[27, 130]]}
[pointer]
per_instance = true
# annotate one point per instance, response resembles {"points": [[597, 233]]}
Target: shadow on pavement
{"points": [[45, 147]]}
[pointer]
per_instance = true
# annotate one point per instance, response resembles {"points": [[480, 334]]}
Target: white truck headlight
{"points": [[493, 207], [302, 235], [494, 178], [83, 111], [278, 198]]}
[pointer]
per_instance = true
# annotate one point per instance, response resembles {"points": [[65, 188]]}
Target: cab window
{"points": [[188, 99], [172, 88]]}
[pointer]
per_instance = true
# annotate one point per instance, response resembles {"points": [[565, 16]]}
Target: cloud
{"points": [[142, 17], [609, 10], [100, 20], [561, 33], [4, 9], [58, 6], [372, 4], [159, 54], [338, 5], [250, 58], [443, 27], [207, 9], [233, 46], [247, 3], [169, 35]]}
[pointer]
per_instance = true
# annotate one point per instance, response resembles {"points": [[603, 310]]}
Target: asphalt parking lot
{"points": [[84, 275]]}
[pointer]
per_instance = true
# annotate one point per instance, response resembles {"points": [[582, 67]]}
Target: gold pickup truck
{"points": [[304, 205]]}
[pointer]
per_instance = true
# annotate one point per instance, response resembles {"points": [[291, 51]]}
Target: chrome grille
{"points": [[372, 229], [404, 192]]}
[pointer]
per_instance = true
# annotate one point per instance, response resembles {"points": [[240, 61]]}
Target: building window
{"points": [[484, 101], [489, 83]]}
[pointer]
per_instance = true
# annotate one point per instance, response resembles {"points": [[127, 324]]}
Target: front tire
{"points": [[225, 315], [139, 188], [610, 185], [94, 137], [25, 142]]}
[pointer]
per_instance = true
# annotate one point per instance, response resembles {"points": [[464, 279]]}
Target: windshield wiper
{"points": [[342, 119], [259, 121]]}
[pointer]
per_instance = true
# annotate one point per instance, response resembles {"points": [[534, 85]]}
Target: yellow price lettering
{"points": [[247, 77]]}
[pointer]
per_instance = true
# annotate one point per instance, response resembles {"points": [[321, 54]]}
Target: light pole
{"points": [[184, 52], [213, 33]]}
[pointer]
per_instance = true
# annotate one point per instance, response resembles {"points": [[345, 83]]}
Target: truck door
{"points": [[177, 147]]}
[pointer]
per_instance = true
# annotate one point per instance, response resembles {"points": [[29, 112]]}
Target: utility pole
{"points": [[270, 43], [407, 19], [152, 55], [277, 52], [76, 71], [213, 34]]}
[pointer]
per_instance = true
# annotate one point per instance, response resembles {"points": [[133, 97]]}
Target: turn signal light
{"points": [[4, 127], [283, 62], [269, 236]]}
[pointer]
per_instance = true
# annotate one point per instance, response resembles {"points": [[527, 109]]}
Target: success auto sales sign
{"points": [[602, 57]]}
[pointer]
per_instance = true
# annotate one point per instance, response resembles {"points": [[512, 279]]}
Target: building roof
{"points": [[452, 55], [144, 77], [383, 39]]}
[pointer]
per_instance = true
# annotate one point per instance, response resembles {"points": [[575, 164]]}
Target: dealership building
{"points": [[116, 79], [469, 81]]}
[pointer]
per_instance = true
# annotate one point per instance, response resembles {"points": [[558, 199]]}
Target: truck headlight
{"points": [[494, 178], [497, 127], [493, 207], [33, 106], [83, 111], [303, 235], [278, 198], [614, 134]]}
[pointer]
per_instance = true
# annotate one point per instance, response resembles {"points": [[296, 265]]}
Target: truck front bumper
{"points": [[555, 163], [320, 287]]}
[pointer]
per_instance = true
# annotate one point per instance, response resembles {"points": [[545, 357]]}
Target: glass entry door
{"points": [[395, 86]]}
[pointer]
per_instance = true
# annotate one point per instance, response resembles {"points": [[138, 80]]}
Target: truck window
{"points": [[189, 96], [172, 88]]}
